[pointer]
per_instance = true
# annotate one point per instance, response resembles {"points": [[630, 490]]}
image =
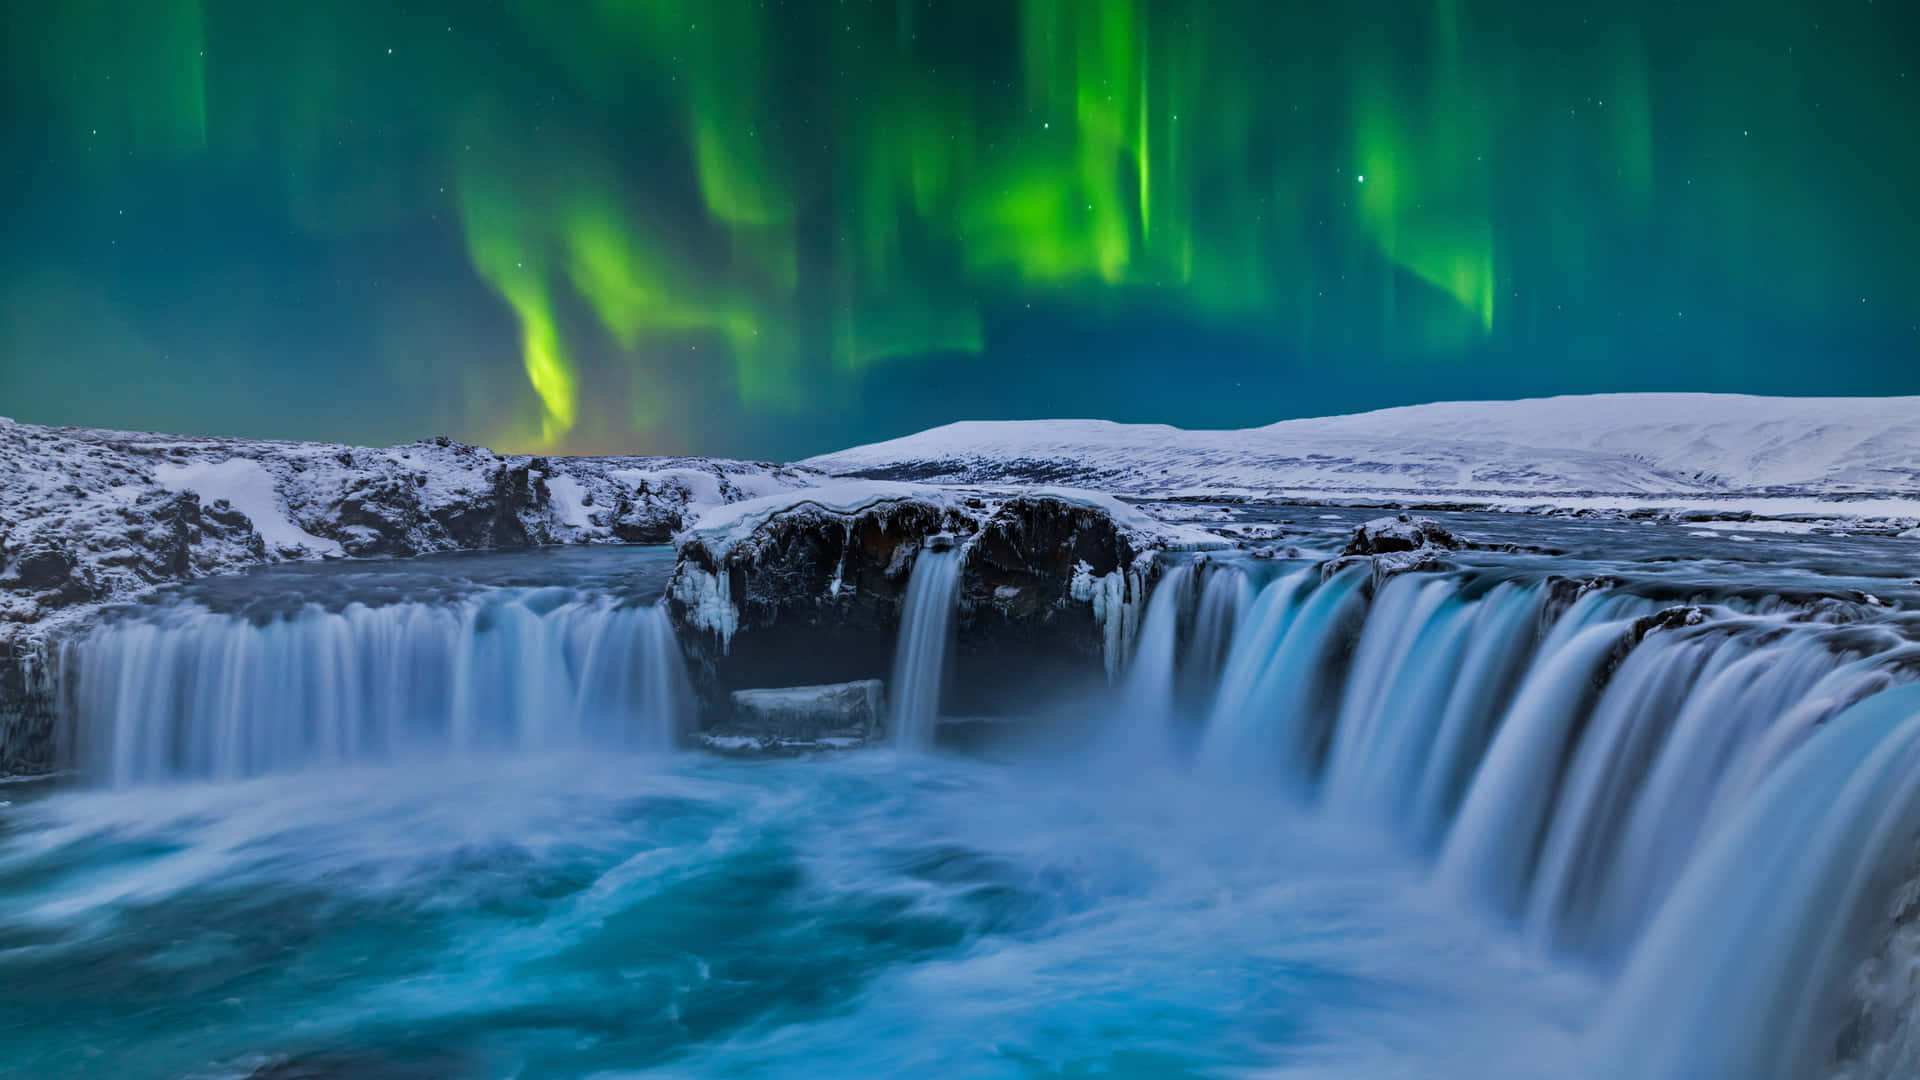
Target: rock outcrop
{"points": [[798, 588], [93, 515], [795, 719], [1388, 535], [89, 517], [1396, 545], [27, 744]]}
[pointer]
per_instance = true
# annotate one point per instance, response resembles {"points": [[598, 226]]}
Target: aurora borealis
{"points": [[776, 228]]}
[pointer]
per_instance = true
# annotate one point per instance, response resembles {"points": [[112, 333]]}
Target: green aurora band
{"points": [[636, 223]]}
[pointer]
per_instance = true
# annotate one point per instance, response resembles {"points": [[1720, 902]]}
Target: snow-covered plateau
{"points": [[1774, 457]]}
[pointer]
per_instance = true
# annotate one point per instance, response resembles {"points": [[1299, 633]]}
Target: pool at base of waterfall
{"points": [[671, 915], [1588, 800]]}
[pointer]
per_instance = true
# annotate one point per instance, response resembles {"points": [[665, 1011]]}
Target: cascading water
{"points": [[1268, 720], [1776, 911], [1694, 809], [1147, 696], [1561, 758], [1177, 661], [920, 656], [183, 692]]}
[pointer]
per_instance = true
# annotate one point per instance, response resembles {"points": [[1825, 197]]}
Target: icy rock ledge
{"points": [[797, 719], [807, 586]]}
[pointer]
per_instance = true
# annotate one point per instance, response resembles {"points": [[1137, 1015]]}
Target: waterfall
{"points": [[1562, 755], [1225, 599], [1269, 719], [1147, 695], [920, 656], [182, 692], [1497, 832], [1776, 913]]}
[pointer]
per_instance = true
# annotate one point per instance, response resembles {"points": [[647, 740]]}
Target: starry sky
{"points": [[770, 229]]}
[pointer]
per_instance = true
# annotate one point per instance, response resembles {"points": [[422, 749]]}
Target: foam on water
{"points": [[1438, 824], [624, 915]]}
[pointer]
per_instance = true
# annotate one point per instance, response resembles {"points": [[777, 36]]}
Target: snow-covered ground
{"points": [[1770, 456], [88, 516], [722, 528]]}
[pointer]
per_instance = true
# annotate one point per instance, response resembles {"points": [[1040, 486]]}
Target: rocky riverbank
{"points": [[90, 517]]}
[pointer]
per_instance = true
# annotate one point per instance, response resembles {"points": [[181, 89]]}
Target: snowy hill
{"points": [[1564, 450]]}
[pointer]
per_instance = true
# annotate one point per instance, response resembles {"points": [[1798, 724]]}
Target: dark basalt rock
{"points": [[1672, 618], [500, 518], [1396, 545], [379, 516], [655, 515], [44, 569], [1020, 624], [816, 596], [1383, 566], [27, 744], [184, 539], [1383, 536], [1563, 591]]}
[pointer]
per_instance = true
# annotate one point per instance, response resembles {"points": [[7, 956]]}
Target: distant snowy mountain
{"points": [[1635, 446]]}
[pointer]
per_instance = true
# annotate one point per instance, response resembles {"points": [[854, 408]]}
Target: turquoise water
{"points": [[632, 915]]}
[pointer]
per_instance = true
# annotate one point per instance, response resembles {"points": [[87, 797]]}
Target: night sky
{"points": [[772, 229]]}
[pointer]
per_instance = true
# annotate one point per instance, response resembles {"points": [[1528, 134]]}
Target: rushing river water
{"points": [[866, 915], [420, 820]]}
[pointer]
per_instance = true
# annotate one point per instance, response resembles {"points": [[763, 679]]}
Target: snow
{"points": [[703, 488], [1171, 535], [569, 502], [245, 485], [1677, 449], [724, 527], [1792, 528], [94, 514]]}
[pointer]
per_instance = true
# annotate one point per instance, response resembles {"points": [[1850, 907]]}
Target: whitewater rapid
{"points": [[555, 915]]}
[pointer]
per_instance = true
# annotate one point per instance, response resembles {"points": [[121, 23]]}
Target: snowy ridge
{"points": [[724, 527], [1543, 450], [89, 516]]}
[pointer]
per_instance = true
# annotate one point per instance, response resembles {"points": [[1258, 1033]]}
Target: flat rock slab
{"points": [[838, 711]]}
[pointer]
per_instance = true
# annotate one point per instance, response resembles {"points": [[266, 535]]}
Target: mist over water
{"points": [[861, 915], [426, 821]]}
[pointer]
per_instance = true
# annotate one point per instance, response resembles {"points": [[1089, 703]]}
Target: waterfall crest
{"points": [[182, 692]]}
